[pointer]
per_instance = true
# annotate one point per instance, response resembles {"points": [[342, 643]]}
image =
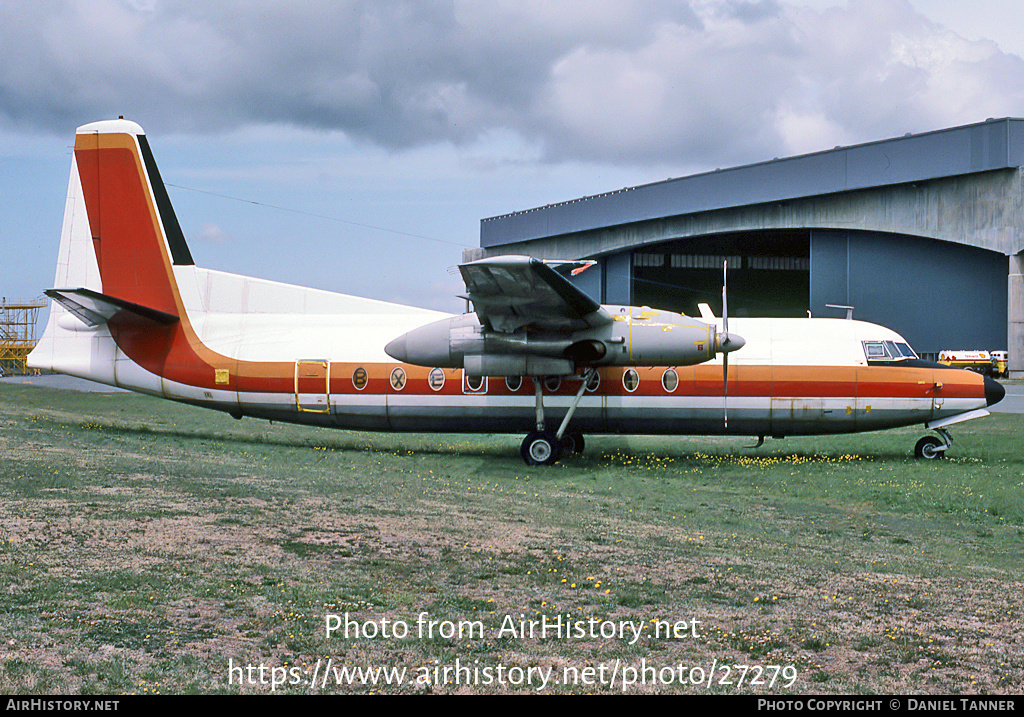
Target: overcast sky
{"points": [[355, 146]]}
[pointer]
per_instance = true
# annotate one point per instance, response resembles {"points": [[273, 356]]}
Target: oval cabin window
{"points": [[670, 380], [359, 378], [631, 380]]}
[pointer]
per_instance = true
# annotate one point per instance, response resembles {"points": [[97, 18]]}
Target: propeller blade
{"points": [[725, 343], [725, 299], [725, 331], [725, 380]]}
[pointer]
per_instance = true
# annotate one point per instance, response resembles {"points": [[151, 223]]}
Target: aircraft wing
{"points": [[514, 292]]}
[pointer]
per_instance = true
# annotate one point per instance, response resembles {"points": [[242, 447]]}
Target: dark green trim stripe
{"points": [[180, 254]]}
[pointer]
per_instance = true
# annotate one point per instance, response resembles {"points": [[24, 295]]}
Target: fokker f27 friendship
{"points": [[131, 309]]}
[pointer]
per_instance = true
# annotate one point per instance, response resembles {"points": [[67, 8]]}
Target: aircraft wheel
{"points": [[927, 448], [540, 448], [572, 442]]}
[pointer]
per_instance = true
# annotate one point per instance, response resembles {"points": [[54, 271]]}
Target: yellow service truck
{"points": [[988, 363]]}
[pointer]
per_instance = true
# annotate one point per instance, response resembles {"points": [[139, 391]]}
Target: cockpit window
{"points": [[906, 350], [875, 351], [887, 351]]}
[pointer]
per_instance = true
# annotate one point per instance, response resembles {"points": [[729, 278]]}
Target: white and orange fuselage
{"points": [[252, 347]]}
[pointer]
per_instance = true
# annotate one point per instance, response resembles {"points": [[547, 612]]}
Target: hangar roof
{"points": [[986, 146]]}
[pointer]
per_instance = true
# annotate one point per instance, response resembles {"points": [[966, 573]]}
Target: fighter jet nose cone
{"points": [[397, 349], [994, 391]]}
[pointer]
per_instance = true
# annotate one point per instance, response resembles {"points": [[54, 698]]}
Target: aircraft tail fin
{"points": [[120, 242], [134, 232]]}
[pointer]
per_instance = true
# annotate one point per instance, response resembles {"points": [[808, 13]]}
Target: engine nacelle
{"points": [[447, 344], [634, 337], [653, 337]]}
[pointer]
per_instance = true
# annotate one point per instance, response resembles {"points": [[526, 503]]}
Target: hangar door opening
{"points": [[769, 274]]}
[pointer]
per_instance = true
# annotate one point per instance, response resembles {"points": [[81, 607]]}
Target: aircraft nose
{"points": [[994, 391]]}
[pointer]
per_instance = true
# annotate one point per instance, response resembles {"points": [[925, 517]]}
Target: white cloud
{"points": [[212, 234], [804, 132]]}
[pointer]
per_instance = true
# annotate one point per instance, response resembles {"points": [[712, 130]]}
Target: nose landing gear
{"points": [[933, 447]]}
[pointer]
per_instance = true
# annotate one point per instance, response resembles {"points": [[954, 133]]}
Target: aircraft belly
{"points": [[358, 412], [882, 412], [687, 415], [128, 374], [955, 406], [797, 414], [488, 414], [792, 416], [225, 400], [679, 415]]}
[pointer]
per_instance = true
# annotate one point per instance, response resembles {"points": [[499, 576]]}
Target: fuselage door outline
{"points": [[313, 386]]}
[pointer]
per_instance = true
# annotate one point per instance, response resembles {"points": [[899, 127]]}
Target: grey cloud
{"points": [[626, 81]]}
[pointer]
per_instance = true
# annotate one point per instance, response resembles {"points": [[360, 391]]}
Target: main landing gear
{"points": [[544, 447], [933, 447]]}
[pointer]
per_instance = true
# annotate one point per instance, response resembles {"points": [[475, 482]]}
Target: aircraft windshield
{"points": [[887, 351]]}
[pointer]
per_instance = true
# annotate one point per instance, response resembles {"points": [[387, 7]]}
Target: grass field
{"points": [[147, 547]]}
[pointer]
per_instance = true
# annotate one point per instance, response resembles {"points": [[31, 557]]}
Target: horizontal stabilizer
{"points": [[94, 308]]}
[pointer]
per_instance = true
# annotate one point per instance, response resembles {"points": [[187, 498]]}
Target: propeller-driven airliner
{"points": [[131, 309]]}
